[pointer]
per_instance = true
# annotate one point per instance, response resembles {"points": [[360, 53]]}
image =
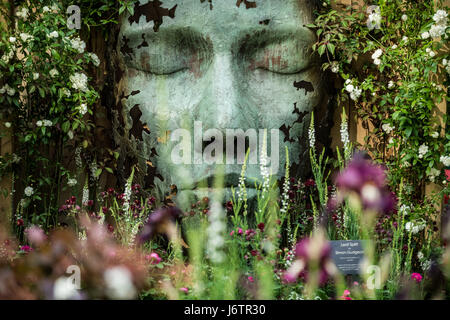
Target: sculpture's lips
{"points": [[229, 180]]}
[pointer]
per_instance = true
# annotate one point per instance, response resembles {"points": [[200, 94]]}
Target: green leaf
{"points": [[321, 50], [98, 172], [331, 48], [109, 170]]}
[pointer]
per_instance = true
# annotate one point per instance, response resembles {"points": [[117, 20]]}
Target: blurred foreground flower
{"points": [[313, 255], [364, 184]]}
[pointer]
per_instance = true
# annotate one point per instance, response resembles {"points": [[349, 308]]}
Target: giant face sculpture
{"points": [[196, 72]]}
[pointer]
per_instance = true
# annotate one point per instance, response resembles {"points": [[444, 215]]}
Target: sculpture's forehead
{"points": [[225, 19]]}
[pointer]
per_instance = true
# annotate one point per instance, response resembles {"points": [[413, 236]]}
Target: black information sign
{"points": [[347, 255]]}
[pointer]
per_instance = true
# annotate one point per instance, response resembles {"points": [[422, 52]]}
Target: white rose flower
{"points": [[94, 58], [377, 54], [53, 34], [387, 128], [39, 123], [423, 149], [8, 124], [440, 17], [432, 54], [12, 39], [46, 9], [391, 84], [29, 191], [445, 160], [83, 109], [405, 38], [434, 173], [435, 135], [79, 81], [26, 37], [437, 30], [349, 88], [72, 182], [53, 73], [404, 17], [420, 255], [35, 76], [78, 44], [22, 13], [394, 47], [425, 35]]}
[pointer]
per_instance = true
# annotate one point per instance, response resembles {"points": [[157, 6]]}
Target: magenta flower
{"points": [[185, 290], [153, 258], [240, 231], [251, 279], [26, 249], [304, 253], [368, 181], [417, 277]]}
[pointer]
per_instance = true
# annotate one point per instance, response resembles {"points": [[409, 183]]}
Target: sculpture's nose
{"points": [[223, 91]]}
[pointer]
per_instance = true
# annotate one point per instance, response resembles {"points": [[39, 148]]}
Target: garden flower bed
{"points": [[361, 224]]}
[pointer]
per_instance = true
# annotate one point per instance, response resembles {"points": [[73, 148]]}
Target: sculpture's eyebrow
{"points": [[181, 37], [253, 40]]}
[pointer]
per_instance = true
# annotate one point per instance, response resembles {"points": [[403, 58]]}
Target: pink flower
{"points": [[250, 278], [417, 277], [153, 258], [36, 235], [346, 295], [232, 233], [26, 249], [240, 231], [185, 290]]}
